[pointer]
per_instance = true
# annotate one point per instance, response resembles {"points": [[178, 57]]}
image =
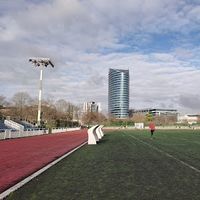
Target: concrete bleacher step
{"points": [[26, 124]]}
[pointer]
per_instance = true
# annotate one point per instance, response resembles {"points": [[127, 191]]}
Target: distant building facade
{"points": [[118, 93], [159, 116], [188, 118], [155, 112], [91, 107]]}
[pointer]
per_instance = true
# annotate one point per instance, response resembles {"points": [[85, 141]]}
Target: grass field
{"points": [[125, 165]]}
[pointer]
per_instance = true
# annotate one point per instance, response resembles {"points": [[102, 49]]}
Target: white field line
{"points": [[167, 154], [166, 144], [194, 142], [185, 139], [29, 178]]}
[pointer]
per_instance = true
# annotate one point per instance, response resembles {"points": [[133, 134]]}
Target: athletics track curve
{"points": [[20, 158]]}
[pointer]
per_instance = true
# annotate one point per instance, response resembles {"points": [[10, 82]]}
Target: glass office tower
{"points": [[118, 93]]}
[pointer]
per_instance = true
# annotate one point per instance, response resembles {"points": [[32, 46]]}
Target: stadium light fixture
{"points": [[40, 62]]}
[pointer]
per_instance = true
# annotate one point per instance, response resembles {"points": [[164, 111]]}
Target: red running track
{"points": [[21, 157]]}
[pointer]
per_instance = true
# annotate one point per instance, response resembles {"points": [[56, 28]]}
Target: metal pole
{"points": [[40, 99], [40, 62]]}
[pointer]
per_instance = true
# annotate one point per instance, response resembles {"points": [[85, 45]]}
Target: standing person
{"points": [[152, 128]]}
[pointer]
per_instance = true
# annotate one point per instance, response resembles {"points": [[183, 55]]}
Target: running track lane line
{"points": [[29, 178], [165, 153]]}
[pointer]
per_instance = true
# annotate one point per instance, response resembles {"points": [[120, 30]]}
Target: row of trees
{"points": [[54, 113], [141, 118], [159, 120], [63, 113]]}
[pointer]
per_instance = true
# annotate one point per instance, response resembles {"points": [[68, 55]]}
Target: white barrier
{"points": [[74, 129], [60, 130], [99, 132], [94, 134], [100, 129], [8, 133]]}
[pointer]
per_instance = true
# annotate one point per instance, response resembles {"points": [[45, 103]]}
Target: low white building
{"points": [[155, 112], [189, 118]]}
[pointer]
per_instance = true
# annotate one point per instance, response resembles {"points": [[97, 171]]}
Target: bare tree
{"points": [[62, 106], [198, 119], [23, 107], [67, 109], [3, 101], [137, 117], [76, 113], [163, 120], [91, 118], [21, 100]]}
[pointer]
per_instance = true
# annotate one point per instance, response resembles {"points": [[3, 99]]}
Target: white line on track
{"points": [[167, 154], [29, 178]]}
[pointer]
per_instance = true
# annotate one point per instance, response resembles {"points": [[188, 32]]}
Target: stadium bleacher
{"points": [[3, 126], [26, 125]]}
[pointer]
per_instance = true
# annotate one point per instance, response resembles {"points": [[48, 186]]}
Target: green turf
{"points": [[124, 165]]}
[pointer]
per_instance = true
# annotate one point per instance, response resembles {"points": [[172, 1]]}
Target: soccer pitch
{"points": [[126, 164]]}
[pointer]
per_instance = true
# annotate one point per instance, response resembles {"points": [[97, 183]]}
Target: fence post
{"points": [[9, 134], [49, 130], [5, 134]]}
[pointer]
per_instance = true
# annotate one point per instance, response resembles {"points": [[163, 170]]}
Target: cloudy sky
{"points": [[157, 40]]}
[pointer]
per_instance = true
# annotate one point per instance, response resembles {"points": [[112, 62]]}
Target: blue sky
{"points": [[157, 40]]}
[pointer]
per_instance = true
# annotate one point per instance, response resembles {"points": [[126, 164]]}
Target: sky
{"points": [[157, 40]]}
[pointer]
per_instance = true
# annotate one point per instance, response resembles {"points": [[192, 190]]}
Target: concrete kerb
{"points": [[29, 178]]}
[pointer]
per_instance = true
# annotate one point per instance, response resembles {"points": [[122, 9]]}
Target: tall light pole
{"points": [[40, 62]]}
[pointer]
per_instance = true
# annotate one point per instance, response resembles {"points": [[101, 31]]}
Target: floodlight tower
{"points": [[40, 62]]}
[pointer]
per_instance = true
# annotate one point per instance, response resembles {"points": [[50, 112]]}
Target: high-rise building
{"points": [[118, 93]]}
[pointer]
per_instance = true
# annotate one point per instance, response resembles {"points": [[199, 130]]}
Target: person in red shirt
{"points": [[152, 128]]}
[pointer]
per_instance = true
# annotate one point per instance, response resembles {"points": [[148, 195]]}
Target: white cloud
{"points": [[85, 38]]}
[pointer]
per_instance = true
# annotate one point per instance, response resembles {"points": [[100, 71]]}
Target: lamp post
{"points": [[40, 62]]}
